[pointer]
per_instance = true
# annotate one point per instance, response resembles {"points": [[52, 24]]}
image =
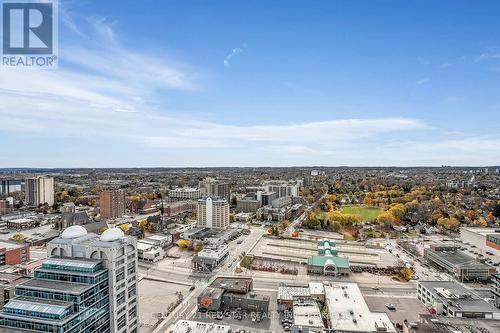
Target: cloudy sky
{"points": [[260, 83]]}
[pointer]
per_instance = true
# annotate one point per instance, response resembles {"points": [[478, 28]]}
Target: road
{"points": [[183, 275], [298, 221]]}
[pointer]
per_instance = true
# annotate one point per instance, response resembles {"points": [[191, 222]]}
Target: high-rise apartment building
{"points": [[39, 190], [212, 187], [213, 212], [184, 193], [283, 189], [8, 186], [112, 204], [88, 284]]}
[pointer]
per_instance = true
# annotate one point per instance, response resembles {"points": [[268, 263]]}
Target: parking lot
{"points": [[473, 251], [407, 308], [154, 298]]}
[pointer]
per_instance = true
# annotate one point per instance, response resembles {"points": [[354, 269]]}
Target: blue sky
{"points": [[261, 83]]}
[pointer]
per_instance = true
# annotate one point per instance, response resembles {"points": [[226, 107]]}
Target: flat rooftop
{"points": [[233, 284], [72, 262], [349, 312], [454, 324], [307, 314], [65, 287], [38, 305], [210, 292], [481, 231], [188, 326], [458, 297], [287, 293], [11, 245], [454, 257]]}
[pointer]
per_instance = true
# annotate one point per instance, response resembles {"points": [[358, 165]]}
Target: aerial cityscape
{"points": [[250, 166]]}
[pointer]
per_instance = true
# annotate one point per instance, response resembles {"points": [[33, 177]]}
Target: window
{"points": [[122, 321]]}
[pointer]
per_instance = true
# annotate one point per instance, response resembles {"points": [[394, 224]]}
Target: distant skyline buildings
{"points": [[112, 203], [185, 193], [8, 186], [39, 190], [214, 187]]}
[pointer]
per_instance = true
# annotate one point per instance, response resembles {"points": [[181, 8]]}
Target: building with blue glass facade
{"points": [[88, 284]]}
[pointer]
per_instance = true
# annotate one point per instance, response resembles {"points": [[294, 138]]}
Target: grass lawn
{"points": [[367, 213]]}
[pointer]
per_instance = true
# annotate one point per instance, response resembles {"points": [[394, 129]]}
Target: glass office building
{"points": [[66, 295]]}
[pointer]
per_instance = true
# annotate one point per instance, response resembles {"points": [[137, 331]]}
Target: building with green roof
{"points": [[327, 262]]}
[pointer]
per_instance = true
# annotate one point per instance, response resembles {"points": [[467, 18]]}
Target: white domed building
{"points": [[118, 254]]}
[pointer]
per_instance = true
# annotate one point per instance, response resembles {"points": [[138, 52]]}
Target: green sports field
{"points": [[367, 213]]}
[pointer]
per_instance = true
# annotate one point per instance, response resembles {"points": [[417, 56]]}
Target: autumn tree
{"points": [[386, 218], [406, 274], [17, 238], [480, 222], [448, 223], [184, 243]]}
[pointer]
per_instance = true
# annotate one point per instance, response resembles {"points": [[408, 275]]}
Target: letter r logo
{"points": [[27, 27]]}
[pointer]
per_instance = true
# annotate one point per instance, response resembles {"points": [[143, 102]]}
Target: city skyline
{"points": [[260, 84]]}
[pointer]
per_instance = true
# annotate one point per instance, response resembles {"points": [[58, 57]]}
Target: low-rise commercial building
{"points": [[457, 263], [348, 311], [451, 299], [227, 293], [152, 248], [210, 257], [171, 209], [327, 262], [287, 295], [149, 252], [20, 224], [307, 317]]}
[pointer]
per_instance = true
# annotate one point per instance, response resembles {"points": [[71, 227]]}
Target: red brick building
{"points": [[14, 253]]}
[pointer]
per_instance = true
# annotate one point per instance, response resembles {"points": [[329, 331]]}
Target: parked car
{"points": [[390, 306]]}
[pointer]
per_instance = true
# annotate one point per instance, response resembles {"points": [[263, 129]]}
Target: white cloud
{"points": [[454, 62], [454, 100], [491, 53], [422, 81], [104, 93], [234, 52]]}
